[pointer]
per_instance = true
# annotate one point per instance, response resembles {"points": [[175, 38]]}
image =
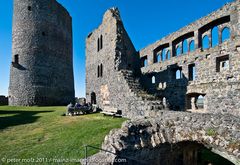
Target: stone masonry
{"points": [[190, 69], [42, 66], [144, 140], [112, 64]]}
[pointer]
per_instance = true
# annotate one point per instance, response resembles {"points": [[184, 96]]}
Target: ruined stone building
{"points": [[196, 68], [42, 66]]}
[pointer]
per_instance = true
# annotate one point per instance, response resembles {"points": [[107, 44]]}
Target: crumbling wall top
{"points": [[112, 13]]}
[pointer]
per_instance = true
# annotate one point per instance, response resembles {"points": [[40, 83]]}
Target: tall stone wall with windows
{"points": [[42, 65], [108, 51], [201, 59], [196, 68]]}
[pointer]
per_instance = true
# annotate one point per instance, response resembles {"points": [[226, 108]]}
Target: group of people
{"points": [[78, 109]]}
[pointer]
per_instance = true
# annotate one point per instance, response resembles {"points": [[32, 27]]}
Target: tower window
{"points": [[29, 8], [101, 70], [43, 34], [16, 59], [100, 43], [98, 71]]}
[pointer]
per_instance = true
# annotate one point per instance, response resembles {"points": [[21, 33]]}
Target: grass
{"points": [[42, 133], [211, 132]]}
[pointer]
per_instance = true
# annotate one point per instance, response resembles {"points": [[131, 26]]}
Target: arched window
{"points": [[192, 46], [153, 80], [145, 63], [168, 55], [178, 74], [178, 51], [160, 85], [98, 44], [205, 42], [215, 36], [164, 85], [101, 42], [185, 47], [98, 71], [158, 57], [101, 70], [225, 34], [164, 54], [200, 102]]}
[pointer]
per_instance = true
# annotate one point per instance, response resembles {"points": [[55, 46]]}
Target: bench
{"points": [[107, 110]]}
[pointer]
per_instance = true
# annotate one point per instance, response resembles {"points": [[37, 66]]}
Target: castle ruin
{"points": [[42, 65], [195, 68]]}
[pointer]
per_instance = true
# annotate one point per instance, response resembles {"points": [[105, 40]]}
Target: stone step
{"points": [[136, 89]]}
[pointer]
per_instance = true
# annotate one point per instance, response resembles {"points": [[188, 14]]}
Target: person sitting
{"points": [[77, 106], [70, 109]]}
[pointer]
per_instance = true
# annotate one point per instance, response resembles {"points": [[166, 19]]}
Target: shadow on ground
{"points": [[18, 118]]}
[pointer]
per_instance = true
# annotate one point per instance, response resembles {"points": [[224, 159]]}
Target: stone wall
{"points": [[207, 79], [42, 66], [119, 61], [219, 88], [95, 58], [141, 139]]}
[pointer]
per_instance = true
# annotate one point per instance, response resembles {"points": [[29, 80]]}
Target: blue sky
{"points": [[145, 21]]}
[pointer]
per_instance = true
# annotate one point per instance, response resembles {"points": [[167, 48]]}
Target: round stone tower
{"points": [[42, 66]]}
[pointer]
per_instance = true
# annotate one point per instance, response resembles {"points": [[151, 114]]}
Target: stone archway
{"points": [[218, 133]]}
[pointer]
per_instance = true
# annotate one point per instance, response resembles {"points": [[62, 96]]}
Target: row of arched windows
{"points": [[163, 55], [188, 45], [100, 70], [185, 48], [215, 38]]}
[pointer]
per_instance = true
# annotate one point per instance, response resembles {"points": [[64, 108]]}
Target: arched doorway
{"points": [[93, 98]]}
